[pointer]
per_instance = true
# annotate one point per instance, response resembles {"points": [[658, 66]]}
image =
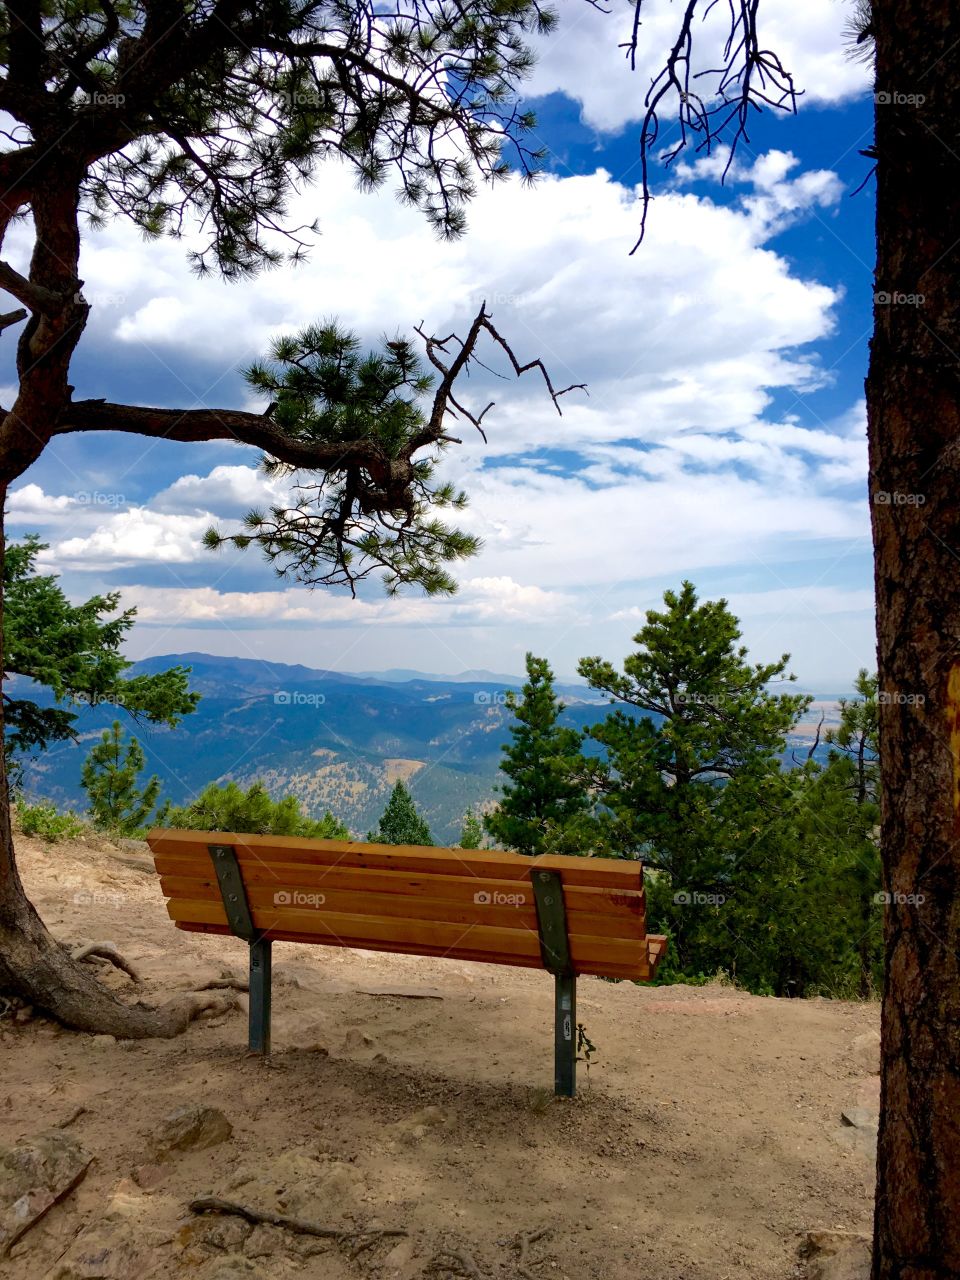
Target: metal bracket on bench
{"points": [[240, 919], [232, 891], [555, 950]]}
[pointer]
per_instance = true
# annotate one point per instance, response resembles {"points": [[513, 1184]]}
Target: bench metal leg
{"points": [[565, 1036], [260, 992]]}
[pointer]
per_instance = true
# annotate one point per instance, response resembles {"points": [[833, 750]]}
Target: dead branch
{"points": [[357, 1240], [748, 80], [75, 1114], [524, 1240], [106, 951], [228, 982], [444, 401], [463, 1264]]}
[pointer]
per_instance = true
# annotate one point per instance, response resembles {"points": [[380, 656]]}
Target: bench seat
{"points": [[477, 905]]}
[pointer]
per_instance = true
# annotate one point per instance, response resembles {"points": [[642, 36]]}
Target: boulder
{"points": [[194, 1127], [35, 1174], [836, 1255]]}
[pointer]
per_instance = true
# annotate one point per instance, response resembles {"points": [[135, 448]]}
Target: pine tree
{"points": [[230, 808], [401, 822], [692, 778], [109, 777], [471, 835], [547, 807]]}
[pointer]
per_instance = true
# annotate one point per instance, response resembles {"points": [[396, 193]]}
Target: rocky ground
{"points": [[406, 1118]]}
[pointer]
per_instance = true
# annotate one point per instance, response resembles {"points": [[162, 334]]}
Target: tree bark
{"points": [[914, 430]]}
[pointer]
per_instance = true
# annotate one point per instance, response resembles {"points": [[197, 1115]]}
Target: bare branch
{"points": [[749, 79]]}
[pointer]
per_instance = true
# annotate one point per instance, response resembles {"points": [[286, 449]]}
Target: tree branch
{"points": [[33, 296]]}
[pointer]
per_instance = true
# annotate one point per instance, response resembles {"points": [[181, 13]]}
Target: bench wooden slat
{"points": [[610, 873], [455, 889], [500, 945], [636, 972], [627, 922]]}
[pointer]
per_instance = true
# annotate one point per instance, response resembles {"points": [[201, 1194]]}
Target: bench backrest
{"points": [[459, 903]]}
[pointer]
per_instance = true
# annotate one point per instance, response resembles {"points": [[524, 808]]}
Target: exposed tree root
{"points": [[455, 1262], [356, 1241], [524, 1240], [107, 951], [226, 982], [34, 966]]}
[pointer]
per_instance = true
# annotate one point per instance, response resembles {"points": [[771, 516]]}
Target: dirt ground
{"points": [[706, 1139]]}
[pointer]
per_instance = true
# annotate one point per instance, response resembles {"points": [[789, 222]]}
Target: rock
{"points": [[192, 1128], [266, 1242], [35, 1174], [222, 1234], [148, 1176], [865, 1052], [104, 1041], [861, 1118], [357, 1039], [118, 1245], [836, 1255], [302, 1185]]}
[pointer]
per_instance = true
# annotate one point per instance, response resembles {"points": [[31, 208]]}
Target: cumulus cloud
{"points": [[480, 602], [583, 60]]}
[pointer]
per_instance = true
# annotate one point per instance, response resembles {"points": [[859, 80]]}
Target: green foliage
{"points": [[690, 780], [401, 822], [110, 776], [74, 650], [45, 821], [236, 114], [230, 808], [546, 807], [471, 837], [359, 520]]}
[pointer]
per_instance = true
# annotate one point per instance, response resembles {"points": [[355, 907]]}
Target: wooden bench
{"points": [[567, 915]]}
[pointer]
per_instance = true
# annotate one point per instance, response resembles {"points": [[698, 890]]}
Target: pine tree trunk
{"points": [[913, 392]]}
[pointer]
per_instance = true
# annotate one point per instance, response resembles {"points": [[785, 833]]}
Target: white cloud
{"points": [[135, 536], [583, 60], [480, 602]]}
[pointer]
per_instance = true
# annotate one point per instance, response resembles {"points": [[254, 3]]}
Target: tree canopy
{"points": [[74, 651]]}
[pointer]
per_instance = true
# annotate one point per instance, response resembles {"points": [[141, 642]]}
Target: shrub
{"points": [[47, 822], [230, 808]]}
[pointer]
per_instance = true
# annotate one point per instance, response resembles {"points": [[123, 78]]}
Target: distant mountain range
{"points": [[336, 740]]}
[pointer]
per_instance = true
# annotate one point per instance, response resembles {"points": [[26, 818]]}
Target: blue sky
{"points": [[722, 440]]}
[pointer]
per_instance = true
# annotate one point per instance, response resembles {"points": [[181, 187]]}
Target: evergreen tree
{"points": [[696, 769], [110, 776], [74, 651], [401, 823], [471, 835], [230, 808], [546, 808]]}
